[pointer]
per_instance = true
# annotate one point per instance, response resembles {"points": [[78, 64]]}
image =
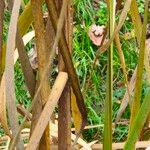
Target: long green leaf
{"points": [[136, 20], [107, 145], [138, 83], [138, 123], [137, 27]]}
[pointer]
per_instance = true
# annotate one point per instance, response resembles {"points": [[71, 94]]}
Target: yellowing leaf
{"points": [[75, 113]]}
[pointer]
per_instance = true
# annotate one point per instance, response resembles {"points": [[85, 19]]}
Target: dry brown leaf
{"points": [[96, 34], [33, 58], [90, 127], [26, 38], [3, 115], [125, 100], [58, 34], [116, 146], [81, 142], [89, 144], [9, 72], [48, 110], [54, 128], [54, 133], [64, 50]]}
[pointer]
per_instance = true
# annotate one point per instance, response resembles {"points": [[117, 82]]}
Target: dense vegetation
{"points": [[92, 78]]}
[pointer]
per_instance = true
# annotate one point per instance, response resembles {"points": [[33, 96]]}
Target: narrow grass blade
{"points": [[137, 27], [122, 59], [107, 143], [123, 64], [136, 20], [117, 29], [125, 99], [138, 84], [138, 123]]}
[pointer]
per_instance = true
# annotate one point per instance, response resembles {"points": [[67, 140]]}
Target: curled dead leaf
{"points": [[96, 34], [96, 4], [33, 58]]}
